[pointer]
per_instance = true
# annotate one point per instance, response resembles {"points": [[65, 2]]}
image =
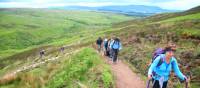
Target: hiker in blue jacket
{"points": [[160, 73], [115, 45]]}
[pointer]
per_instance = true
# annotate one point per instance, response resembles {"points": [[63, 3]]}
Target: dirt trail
{"points": [[125, 77]]}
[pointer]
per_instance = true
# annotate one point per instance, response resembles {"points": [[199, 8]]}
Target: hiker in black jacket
{"points": [[99, 43], [42, 52]]}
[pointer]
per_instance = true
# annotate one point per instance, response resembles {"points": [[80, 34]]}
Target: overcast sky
{"points": [[166, 4]]}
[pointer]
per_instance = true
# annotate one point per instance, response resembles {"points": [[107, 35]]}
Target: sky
{"points": [[165, 4]]}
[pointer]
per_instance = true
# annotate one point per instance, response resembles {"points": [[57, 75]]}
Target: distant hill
{"points": [[164, 16], [136, 10], [193, 10]]}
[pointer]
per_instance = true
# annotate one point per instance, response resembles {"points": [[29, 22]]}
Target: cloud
{"points": [[179, 4], [14, 4], [166, 4], [46, 5]]}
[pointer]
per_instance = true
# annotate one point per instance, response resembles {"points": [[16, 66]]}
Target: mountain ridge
{"points": [[136, 10]]}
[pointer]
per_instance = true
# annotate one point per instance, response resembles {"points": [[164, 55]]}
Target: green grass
{"points": [[83, 69], [182, 18], [28, 55], [191, 32], [23, 28], [24, 32]]}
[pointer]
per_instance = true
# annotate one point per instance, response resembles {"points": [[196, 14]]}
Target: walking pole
{"points": [[161, 81], [186, 84], [148, 83]]}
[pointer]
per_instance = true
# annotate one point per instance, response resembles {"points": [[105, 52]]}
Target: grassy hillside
{"points": [[82, 70], [140, 37], [85, 69], [24, 32], [26, 28], [182, 18], [165, 16]]}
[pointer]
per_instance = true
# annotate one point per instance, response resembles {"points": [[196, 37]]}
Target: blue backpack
{"points": [[116, 43]]}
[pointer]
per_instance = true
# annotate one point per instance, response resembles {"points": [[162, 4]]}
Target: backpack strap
{"points": [[161, 60], [172, 63], [113, 44], [153, 58], [116, 42]]}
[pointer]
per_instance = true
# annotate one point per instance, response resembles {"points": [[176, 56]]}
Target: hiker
{"points": [[42, 52], [62, 49], [159, 51], [115, 45], [105, 44], [161, 67], [110, 49], [99, 43]]}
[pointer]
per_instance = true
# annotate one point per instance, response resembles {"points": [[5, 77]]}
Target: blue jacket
{"points": [[115, 45], [164, 69]]}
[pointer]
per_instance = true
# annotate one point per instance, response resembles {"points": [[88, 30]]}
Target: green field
{"points": [[27, 28], [24, 32]]}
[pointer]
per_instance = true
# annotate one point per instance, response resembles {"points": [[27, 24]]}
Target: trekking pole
{"points": [[186, 84], [148, 84]]}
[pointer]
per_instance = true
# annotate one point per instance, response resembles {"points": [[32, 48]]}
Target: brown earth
{"points": [[124, 76]]}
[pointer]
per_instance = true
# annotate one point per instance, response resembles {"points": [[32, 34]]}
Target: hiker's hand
{"points": [[186, 79], [149, 77]]}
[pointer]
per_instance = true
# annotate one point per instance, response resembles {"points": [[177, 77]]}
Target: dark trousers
{"points": [[115, 53], [111, 53], [156, 84]]}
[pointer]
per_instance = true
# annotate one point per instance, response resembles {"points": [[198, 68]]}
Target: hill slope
{"points": [[23, 28], [24, 32], [83, 69], [160, 17], [140, 37]]}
